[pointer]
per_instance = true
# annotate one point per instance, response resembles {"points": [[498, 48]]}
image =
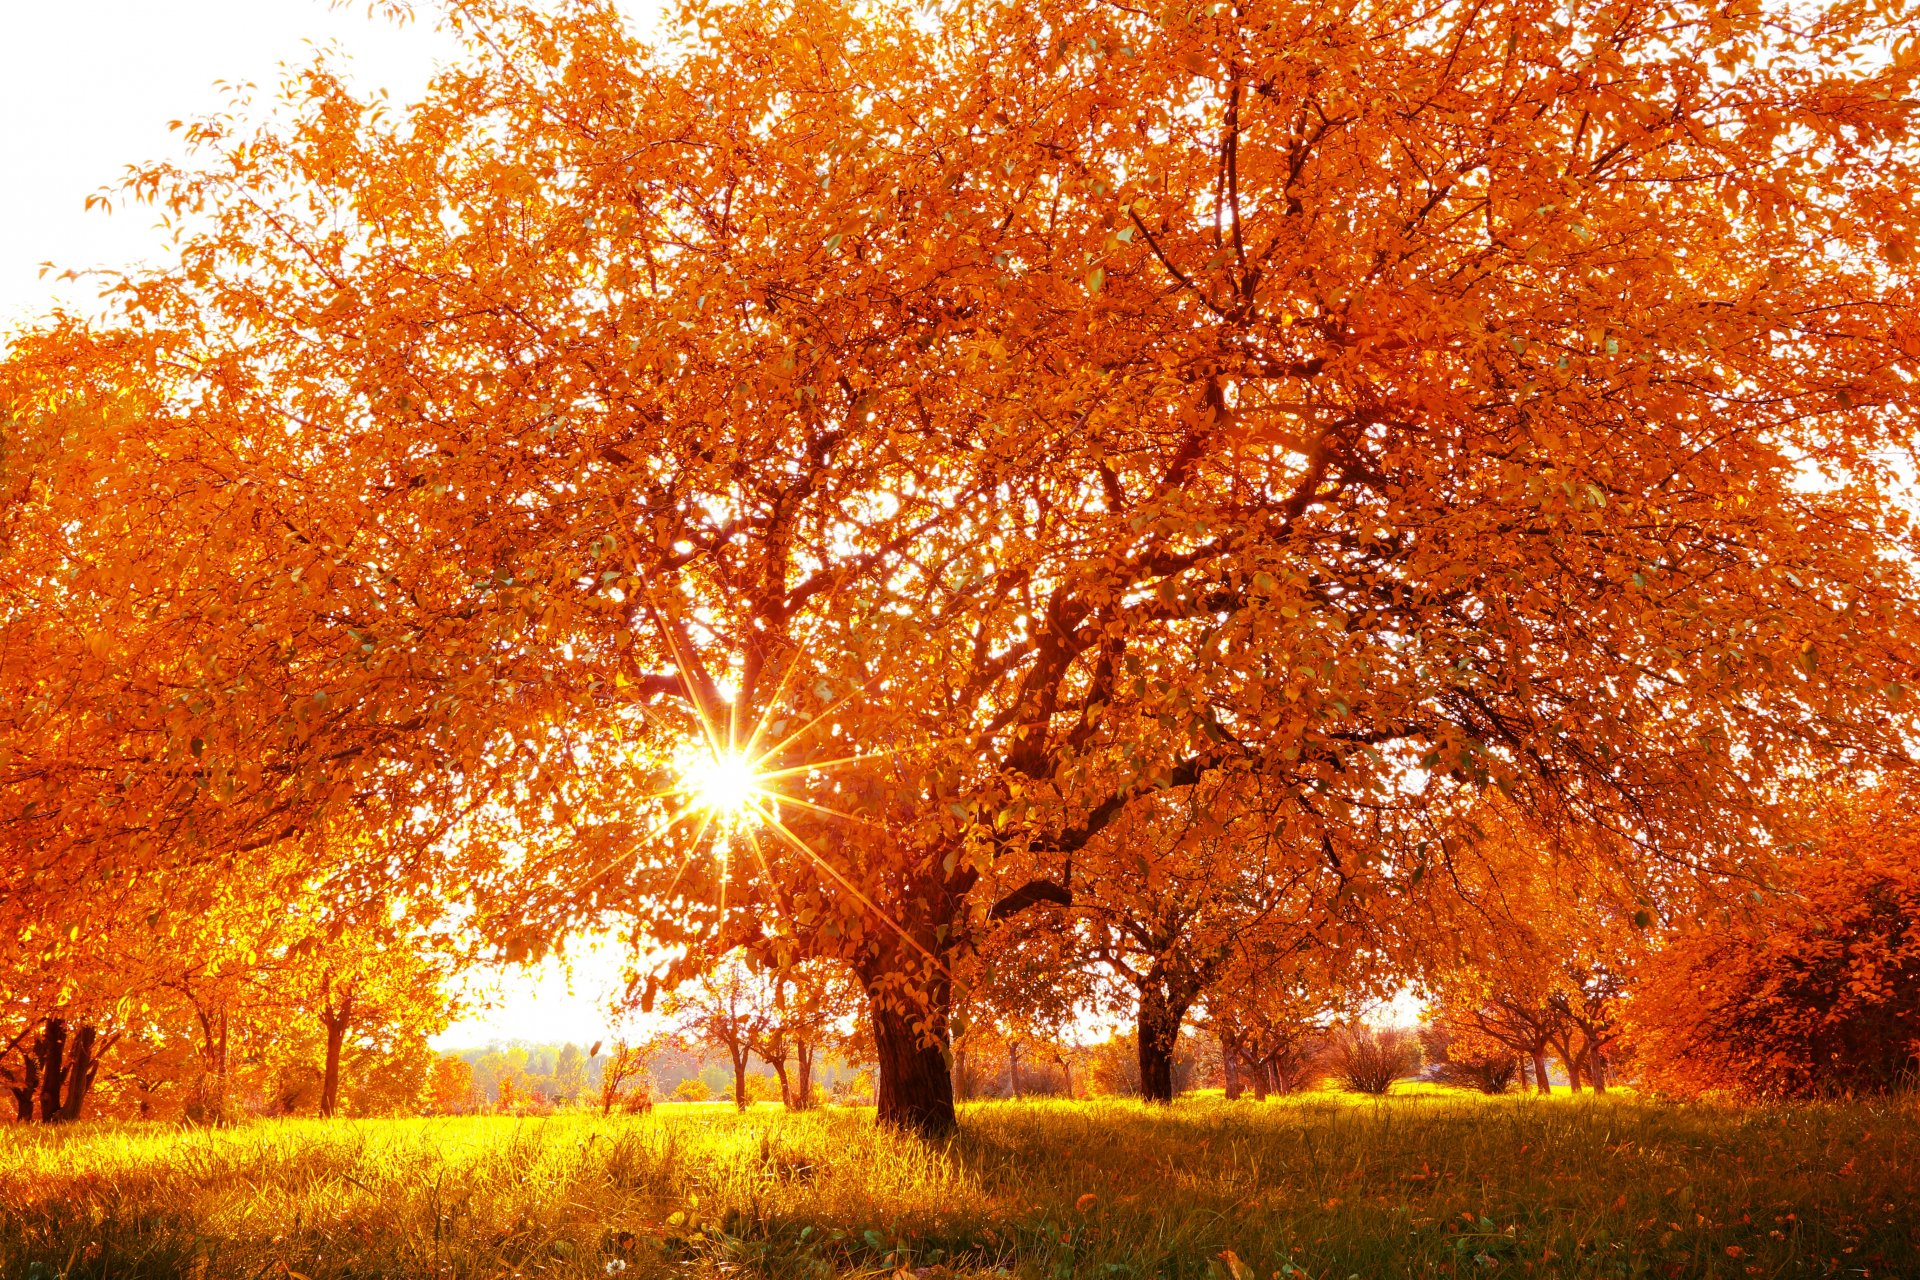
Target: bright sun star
{"points": [[724, 783]]}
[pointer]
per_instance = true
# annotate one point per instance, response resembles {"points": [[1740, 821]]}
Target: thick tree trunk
{"points": [[1159, 1031], [28, 1089], [330, 1077], [80, 1073], [1013, 1068], [1597, 1070], [1540, 1078], [53, 1074], [1230, 1063], [915, 1092], [786, 1089]]}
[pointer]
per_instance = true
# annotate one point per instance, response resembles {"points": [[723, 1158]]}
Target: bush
{"points": [[1369, 1059], [1809, 990], [1488, 1075], [692, 1089]]}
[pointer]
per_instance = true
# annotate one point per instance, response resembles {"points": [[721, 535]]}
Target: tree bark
{"points": [[786, 1089], [739, 1056], [330, 1078], [1013, 1068], [915, 1091], [80, 1073], [1540, 1079], [1230, 1063], [802, 1076], [53, 1074], [1597, 1069], [1158, 1030], [28, 1089]]}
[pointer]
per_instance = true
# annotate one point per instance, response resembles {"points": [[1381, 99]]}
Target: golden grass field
{"points": [[1420, 1184]]}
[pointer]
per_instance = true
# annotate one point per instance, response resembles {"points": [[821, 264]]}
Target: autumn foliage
{"points": [[995, 431], [1809, 987]]}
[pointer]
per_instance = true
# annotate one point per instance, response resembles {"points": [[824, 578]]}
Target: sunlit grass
{"points": [[1424, 1184]]}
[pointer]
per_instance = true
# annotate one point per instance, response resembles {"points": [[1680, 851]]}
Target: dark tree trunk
{"points": [[1159, 1031], [80, 1073], [1540, 1078], [1013, 1068], [916, 1086], [1066, 1069], [740, 1101], [1261, 1069], [1597, 1069], [53, 1074], [330, 1078], [1230, 1063], [28, 1089], [802, 1076], [786, 1089]]}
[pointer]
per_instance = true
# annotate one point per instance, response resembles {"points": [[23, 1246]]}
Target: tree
{"points": [[981, 428], [626, 1065], [727, 1008], [570, 1072], [1809, 988], [370, 983]]}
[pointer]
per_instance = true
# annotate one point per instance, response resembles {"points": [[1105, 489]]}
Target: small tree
{"points": [[628, 1063]]}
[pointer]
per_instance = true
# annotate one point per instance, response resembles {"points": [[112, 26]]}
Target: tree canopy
{"points": [[966, 426]]}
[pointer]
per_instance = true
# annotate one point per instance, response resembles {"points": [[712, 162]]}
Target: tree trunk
{"points": [[740, 1102], [330, 1078], [915, 1091], [1230, 1063], [802, 1076], [80, 1073], [53, 1075], [786, 1090], [29, 1087], [1066, 1069], [1597, 1069], [1540, 1079], [1013, 1068], [1261, 1069], [1159, 1031]]}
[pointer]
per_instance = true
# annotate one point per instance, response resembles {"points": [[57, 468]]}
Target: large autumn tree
{"points": [[981, 424]]}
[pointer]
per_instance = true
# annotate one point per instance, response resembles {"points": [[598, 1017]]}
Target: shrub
{"points": [[692, 1089], [1811, 991], [1369, 1059], [1488, 1075]]}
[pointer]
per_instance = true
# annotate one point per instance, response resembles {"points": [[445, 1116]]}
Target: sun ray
{"points": [[774, 822], [779, 695], [783, 798]]}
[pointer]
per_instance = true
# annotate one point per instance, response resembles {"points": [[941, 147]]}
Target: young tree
{"points": [[966, 433], [728, 1008]]}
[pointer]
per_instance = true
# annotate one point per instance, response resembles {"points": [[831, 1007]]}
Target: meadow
{"points": [[1421, 1184]]}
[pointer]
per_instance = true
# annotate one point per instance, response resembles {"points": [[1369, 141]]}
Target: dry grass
{"points": [[1419, 1184]]}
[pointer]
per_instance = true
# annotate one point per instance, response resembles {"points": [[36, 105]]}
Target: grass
{"points": [[1322, 1187]]}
